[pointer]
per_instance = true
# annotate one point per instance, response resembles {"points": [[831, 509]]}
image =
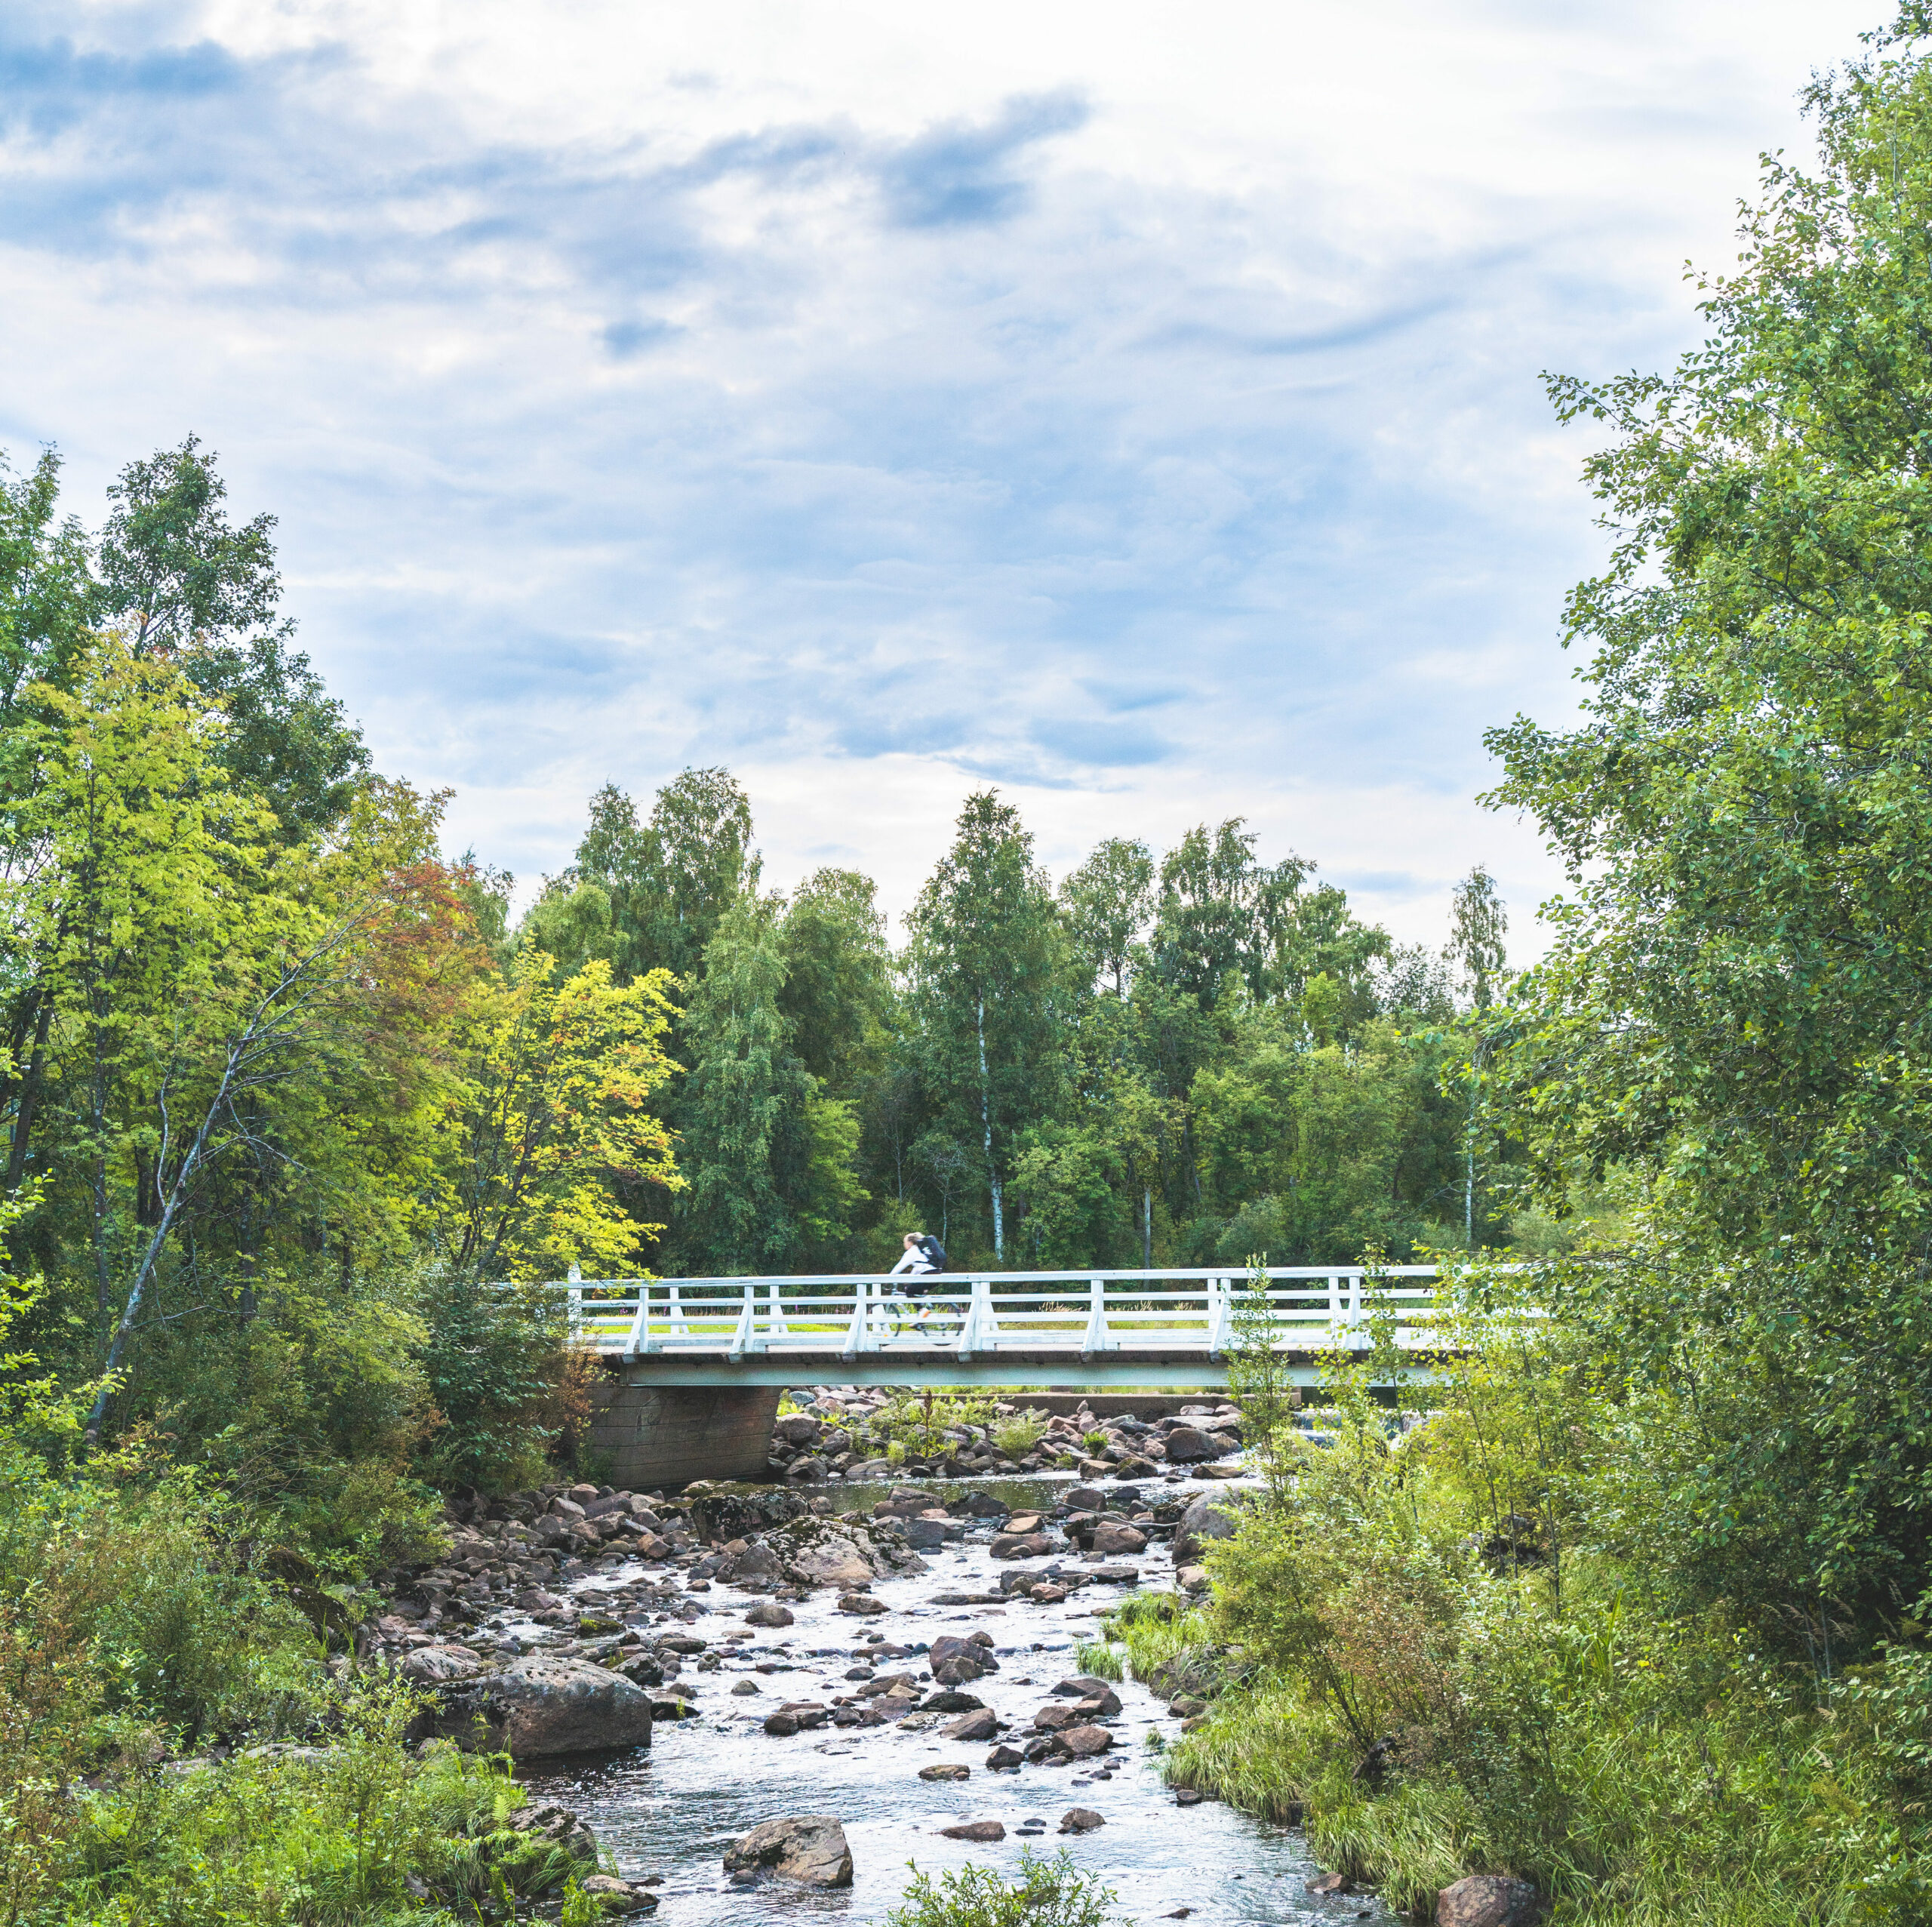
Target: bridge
{"points": [[1083, 1329], [695, 1365]]}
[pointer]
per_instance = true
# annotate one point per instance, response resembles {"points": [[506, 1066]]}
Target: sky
{"points": [[1134, 408]]}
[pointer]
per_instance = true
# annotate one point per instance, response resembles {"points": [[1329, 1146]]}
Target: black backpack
{"points": [[934, 1251]]}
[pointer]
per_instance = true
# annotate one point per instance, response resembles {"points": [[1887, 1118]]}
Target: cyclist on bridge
{"points": [[923, 1258]]}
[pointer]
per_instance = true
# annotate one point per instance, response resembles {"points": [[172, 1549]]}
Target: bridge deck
{"points": [[1029, 1327]]}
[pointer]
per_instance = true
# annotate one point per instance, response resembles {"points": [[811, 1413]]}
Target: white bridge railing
{"points": [[968, 1316]]}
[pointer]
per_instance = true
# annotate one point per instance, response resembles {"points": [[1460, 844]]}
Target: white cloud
{"points": [[1136, 406]]}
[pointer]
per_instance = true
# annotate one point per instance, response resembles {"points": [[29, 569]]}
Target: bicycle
{"points": [[938, 1318]]}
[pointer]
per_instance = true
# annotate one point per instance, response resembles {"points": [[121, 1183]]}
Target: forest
{"points": [[1625, 1601]]}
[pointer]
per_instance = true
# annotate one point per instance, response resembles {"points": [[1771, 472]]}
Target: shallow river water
{"points": [[672, 1811]]}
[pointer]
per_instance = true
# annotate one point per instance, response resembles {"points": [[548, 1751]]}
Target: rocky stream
{"points": [[767, 1702]]}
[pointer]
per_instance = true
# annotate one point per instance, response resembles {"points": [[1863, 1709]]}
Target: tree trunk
{"points": [[987, 1123], [31, 1086], [1147, 1228]]}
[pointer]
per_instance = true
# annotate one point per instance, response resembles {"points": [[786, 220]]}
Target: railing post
{"points": [[639, 1339], [855, 1328], [1217, 1317], [574, 1278], [741, 1339], [978, 1327], [674, 1315], [1096, 1340], [775, 1324]]}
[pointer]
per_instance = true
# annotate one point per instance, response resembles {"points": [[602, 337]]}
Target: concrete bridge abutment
{"points": [[666, 1436]]}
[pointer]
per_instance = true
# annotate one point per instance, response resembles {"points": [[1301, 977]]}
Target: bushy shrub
{"points": [[1017, 1435], [1048, 1893], [500, 1370]]}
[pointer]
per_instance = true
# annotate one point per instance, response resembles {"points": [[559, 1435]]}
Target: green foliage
{"points": [[177, 579], [1017, 1435], [986, 964], [1732, 1004], [918, 1422], [747, 1111], [1048, 1893], [492, 1364], [355, 1831]]}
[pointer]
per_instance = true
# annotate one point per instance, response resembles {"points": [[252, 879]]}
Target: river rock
{"points": [[1082, 1686], [809, 1847], [1332, 1883], [949, 1771], [974, 1829], [1084, 1742], [549, 1706], [1112, 1537], [1080, 1820], [437, 1666], [859, 1602], [768, 1614], [642, 1668], [985, 1505], [614, 1896], [1021, 1545], [953, 1701], [1185, 1445], [928, 1534], [798, 1428], [755, 1562], [983, 1724], [1003, 1759], [1085, 1498], [1486, 1900]]}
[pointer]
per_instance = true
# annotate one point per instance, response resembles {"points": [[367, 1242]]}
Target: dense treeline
{"points": [[1178, 1061]]}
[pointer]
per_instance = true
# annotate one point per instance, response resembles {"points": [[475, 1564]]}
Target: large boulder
{"points": [[1204, 1518], [756, 1563], [1486, 1900], [1021, 1545], [799, 1428], [1187, 1443], [1112, 1537], [722, 1514], [439, 1665], [964, 1659], [807, 1847], [547, 1706]]}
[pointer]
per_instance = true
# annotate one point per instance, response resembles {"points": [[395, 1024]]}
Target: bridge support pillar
{"points": [[666, 1436]]}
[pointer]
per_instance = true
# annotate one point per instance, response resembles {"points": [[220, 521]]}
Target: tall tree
{"points": [[46, 588], [986, 965], [1223, 915], [552, 1128], [1107, 902], [668, 881], [177, 578], [1735, 1001], [838, 977], [746, 1133]]}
